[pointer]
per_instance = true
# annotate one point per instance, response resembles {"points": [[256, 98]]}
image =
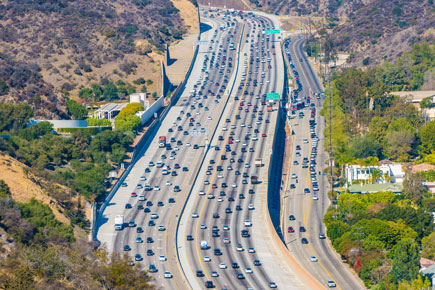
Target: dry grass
{"points": [[23, 188], [188, 13]]}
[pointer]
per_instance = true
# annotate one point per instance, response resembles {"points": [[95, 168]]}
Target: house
{"points": [[422, 167], [391, 172], [109, 111], [415, 97], [427, 268], [140, 98]]}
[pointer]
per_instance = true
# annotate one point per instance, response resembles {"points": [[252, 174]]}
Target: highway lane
{"points": [[184, 156], [260, 278], [308, 211]]}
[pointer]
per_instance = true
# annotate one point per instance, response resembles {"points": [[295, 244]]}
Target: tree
{"points": [[413, 188], [76, 110], [426, 103], [378, 129], [98, 122], [130, 109], [416, 284], [139, 81], [127, 124], [427, 138], [399, 143], [428, 246], [110, 92], [405, 260], [14, 117]]}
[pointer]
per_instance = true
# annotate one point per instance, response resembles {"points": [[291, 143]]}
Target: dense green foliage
{"points": [[80, 162], [98, 122], [364, 227], [76, 110], [368, 122], [45, 253]]}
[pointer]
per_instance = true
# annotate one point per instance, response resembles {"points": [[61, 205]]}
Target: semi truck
{"points": [[119, 222], [258, 162], [162, 141]]}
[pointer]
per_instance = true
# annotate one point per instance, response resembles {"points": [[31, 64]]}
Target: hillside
{"points": [[384, 30], [52, 48]]}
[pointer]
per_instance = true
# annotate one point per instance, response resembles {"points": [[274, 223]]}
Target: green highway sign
{"points": [[273, 31], [272, 96]]}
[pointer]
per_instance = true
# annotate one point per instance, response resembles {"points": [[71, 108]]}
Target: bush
{"points": [[130, 109]]}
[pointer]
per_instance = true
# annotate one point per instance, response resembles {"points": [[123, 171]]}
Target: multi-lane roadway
{"points": [[197, 187], [306, 187]]}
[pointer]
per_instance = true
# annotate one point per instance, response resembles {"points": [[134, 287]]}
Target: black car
{"points": [[235, 265], [257, 263], [291, 217], [199, 273], [150, 252], [139, 230], [302, 229], [150, 240], [189, 238], [217, 252], [304, 241], [127, 248]]}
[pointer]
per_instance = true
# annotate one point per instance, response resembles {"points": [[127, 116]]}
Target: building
{"points": [[109, 111], [140, 98], [415, 97], [391, 172], [427, 268], [423, 167], [62, 124]]}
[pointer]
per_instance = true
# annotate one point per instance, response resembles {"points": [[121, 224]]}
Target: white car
{"points": [[143, 178], [168, 183], [201, 192], [202, 226], [226, 228], [161, 228], [162, 258], [227, 241], [313, 259], [220, 176], [222, 266], [294, 176], [195, 215], [210, 196], [209, 117], [248, 271], [224, 129], [207, 259], [156, 188], [248, 223], [251, 207], [305, 140], [251, 250], [172, 157], [220, 199], [188, 144], [176, 148], [315, 197], [168, 275], [234, 185], [237, 140]]}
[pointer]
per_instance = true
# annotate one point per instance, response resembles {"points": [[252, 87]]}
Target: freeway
{"points": [[225, 201], [306, 190], [162, 177]]}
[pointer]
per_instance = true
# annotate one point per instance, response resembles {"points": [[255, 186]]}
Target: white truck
{"points": [[258, 162], [119, 222]]}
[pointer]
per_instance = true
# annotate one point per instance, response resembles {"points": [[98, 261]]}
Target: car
{"points": [[139, 240], [313, 259], [127, 248], [222, 266], [209, 284], [195, 215], [302, 229], [315, 197], [322, 236], [152, 268], [264, 135], [331, 284], [161, 228], [240, 276], [248, 271], [189, 237], [167, 275], [150, 252], [294, 176], [147, 209], [257, 263], [239, 248], [199, 273], [168, 183], [150, 240], [290, 230], [202, 226], [128, 206], [235, 265], [251, 250], [226, 228], [217, 252], [207, 259], [131, 224], [304, 241], [272, 285], [214, 274], [138, 257], [306, 190], [124, 184]]}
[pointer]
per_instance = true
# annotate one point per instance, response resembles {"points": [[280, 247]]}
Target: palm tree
{"points": [[375, 175]]}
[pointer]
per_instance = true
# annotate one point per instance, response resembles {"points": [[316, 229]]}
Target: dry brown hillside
{"points": [[54, 47], [24, 185]]}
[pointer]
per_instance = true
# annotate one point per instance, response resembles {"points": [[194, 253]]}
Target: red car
{"points": [[264, 135], [214, 185], [290, 230], [133, 194]]}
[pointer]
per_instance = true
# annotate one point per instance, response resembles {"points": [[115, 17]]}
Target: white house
{"points": [[394, 171]]}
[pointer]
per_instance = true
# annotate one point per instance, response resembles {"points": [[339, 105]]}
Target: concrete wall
{"points": [[154, 108], [166, 84]]}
